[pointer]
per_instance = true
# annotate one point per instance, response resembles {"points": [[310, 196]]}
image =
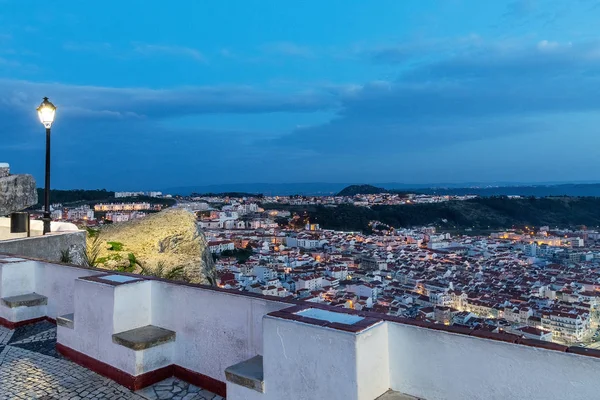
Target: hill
{"points": [[71, 196], [572, 189], [353, 190], [479, 213], [237, 195]]}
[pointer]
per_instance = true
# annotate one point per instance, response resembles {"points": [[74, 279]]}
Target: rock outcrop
{"points": [[171, 238], [17, 192]]}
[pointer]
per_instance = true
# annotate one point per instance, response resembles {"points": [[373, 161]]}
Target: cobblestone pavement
{"points": [[31, 368], [177, 390]]}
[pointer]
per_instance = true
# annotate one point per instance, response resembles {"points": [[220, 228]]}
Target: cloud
{"points": [[422, 48], [105, 102], [288, 49], [176, 51], [145, 49], [479, 91], [90, 47], [464, 93]]}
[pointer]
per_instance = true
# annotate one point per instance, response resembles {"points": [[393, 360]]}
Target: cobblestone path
{"points": [[31, 368]]}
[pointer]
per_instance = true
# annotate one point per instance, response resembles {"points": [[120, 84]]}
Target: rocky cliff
{"points": [[17, 192], [170, 238]]}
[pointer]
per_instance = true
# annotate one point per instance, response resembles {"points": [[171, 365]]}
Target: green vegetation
{"points": [[479, 213], [91, 197], [65, 256], [115, 246], [242, 255], [72, 196], [175, 274], [93, 248]]}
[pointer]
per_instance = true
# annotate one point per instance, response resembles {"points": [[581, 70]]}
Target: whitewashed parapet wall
{"points": [[302, 359]]}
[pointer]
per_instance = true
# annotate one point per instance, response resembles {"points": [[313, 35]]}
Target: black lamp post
{"points": [[46, 112]]}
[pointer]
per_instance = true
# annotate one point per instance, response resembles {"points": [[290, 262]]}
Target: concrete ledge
{"points": [[67, 320], [391, 395], [144, 338], [25, 300], [248, 373]]}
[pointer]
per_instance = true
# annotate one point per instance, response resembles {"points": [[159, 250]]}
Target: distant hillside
{"points": [[227, 194], [268, 189], [71, 196], [353, 190], [573, 189], [328, 189], [479, 213]]}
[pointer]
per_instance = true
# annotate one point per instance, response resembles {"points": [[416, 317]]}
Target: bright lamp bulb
{"points": [[46, 112]]}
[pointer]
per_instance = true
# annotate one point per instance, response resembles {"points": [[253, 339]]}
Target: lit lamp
{"points": [[46, 112]]}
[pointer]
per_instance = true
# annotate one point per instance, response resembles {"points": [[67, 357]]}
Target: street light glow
{"points": [[46, 112]]}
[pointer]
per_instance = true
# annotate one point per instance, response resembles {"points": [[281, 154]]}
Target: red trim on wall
{"points": [[121, 377], [141, 381], [12, 325], [201, 380]]}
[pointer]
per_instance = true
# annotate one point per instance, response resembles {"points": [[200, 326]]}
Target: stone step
{"points": [[248, 373], [392, 395], [144, 338], [67, 320], [25, 300]]}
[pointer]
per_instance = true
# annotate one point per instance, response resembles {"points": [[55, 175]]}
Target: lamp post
{"points": [[46, 112]]}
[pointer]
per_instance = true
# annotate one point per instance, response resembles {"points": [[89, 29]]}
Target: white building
{"points": [[310, 282], [219, 246], [83, 212], [570, 327]]}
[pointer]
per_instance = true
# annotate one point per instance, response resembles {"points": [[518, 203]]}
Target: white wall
{"points": [[102, 310], [214, 329], [17, 278], [57, 282], [305, 362], [132, 306], [373, 364], [438, 365], [217, 329]]}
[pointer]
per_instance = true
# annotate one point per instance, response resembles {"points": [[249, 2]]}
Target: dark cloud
{"points": [[99, 102], [483, 90], [122, 137], [476, 93]]}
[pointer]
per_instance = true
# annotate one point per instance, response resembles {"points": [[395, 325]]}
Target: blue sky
{"points": [[154, 94]]}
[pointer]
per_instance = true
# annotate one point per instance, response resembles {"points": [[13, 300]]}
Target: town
{"points": [[543, 284], [535, 282]]}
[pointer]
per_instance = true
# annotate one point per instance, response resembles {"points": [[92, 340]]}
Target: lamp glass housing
{"points": [[46, 112]]}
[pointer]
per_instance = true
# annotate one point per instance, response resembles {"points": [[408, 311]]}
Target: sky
{"points": [[155, 94]]}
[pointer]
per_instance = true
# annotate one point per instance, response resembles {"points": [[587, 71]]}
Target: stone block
{"points": [[4, 170], [248, 373], [25, 300], [67, 320], [17, 192], [144, 338]]}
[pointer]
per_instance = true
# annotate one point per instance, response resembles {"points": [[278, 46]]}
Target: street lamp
{"points": [[46, 112]]}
